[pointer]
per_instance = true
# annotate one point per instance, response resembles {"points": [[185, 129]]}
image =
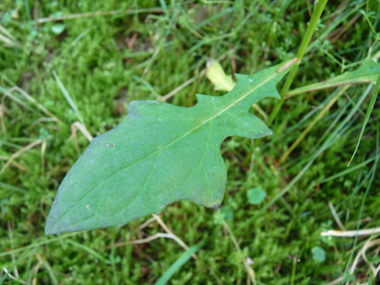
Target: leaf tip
{"points": [[47, 231], [52, 225]]}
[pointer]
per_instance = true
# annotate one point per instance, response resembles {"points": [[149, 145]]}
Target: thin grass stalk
{"points": [[301, 52]]}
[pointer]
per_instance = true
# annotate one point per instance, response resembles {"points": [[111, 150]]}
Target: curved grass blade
{"points": [[367, 73], [367, 115], [178, 263]]}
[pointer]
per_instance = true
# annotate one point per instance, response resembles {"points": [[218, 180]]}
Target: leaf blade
{"points": [[158, 155]]}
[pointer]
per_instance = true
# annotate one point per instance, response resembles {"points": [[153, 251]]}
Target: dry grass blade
{"points": [[78, 126], [367, 245], [6, 33], [145, 240], [7, 38], [12, 277], [337, 220], [169, 234], [366, 232], [251, 273], [338, 34], [145, 224], [18, 153], [336, 281], [43, 149], [41, 120], [3, 109], [168, 231], [36, 269], [360, 255], [100, 13], [31, 99], [162, 224], [16, 164], [48, 268], [2, 113]]}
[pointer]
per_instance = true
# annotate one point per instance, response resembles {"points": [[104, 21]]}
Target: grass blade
{"points": [[178, 263], [89, 250], [311, 125], [325, 146], [68, 97], [347, 171], [301, 52], [367, 115], [43, 241]]}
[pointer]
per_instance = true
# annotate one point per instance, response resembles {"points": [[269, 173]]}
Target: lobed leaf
{"points": [[158, 155]]}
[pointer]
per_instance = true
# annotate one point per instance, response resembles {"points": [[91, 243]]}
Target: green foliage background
{"points": [[104, 62]]}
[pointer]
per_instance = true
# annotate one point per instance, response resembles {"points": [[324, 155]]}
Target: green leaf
{"points": [[319, 254], [256, 196], [57, 29], [366, 73], [158, 155], [218, 77]]}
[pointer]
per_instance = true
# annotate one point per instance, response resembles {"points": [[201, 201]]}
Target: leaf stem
{"points": [[301, 52]]}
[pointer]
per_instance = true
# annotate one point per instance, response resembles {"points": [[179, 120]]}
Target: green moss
{"points": [[103, 74]]}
